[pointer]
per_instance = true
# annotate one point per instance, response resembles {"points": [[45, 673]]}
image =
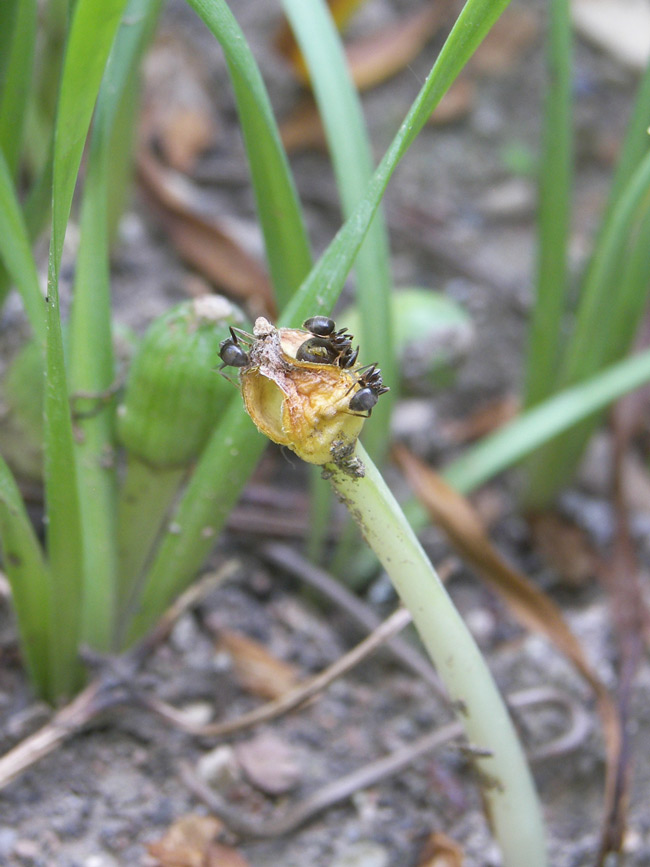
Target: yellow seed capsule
{"points": [[299, 404]]}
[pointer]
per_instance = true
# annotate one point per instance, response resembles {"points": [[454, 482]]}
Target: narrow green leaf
{"points": [[287, 248], [16, 254], [537, 426], [18, 70], [27, 573], [555, 184], [91, 350], [605, 325], [340, 109], [635, 144], [325, 281], [91, 35], [593, 334]]}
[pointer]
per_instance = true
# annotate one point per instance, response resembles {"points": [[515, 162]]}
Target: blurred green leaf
{"points": [[287, 247], [27, 573], [92, 32]]}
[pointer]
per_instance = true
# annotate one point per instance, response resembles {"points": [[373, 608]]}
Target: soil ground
{"points": [[461, 221]]}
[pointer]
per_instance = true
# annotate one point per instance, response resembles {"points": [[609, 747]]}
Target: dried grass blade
{"points": [[630, 620]]}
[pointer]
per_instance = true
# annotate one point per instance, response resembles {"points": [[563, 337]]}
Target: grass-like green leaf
{"points": [[607, 320], [636, 143], [340, 109], [219, 478], [594, 329], [17, 69], [16, 254], [322, 287], [287, 248], [26, 570], [613, 297], [91, 351], [531, 430], [92, 32], [555, 184], [540, 424]]}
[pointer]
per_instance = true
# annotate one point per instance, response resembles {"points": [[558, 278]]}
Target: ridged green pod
{"points": [[174, 394]]}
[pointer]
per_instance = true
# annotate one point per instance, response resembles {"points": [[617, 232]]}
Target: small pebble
{"points": [[7, 841], [219, 767], [365, 853], [100, 860]]}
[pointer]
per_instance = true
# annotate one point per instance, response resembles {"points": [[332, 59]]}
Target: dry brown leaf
{"points": [[630, 617], [510, 36], [482, 421], [201, 241], [565, 547], [303, 127], [454, 514], [187, 134], [177, 110], [441, 851], [219, 855], [257, 670], [285, 43], [619, 27], [269, 763], [380, 55], [457, 102], [186, 842]]}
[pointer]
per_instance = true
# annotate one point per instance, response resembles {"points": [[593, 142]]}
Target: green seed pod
{"points": [[174, 395]]}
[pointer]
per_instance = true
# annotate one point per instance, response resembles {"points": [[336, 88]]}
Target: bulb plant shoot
{"points": [[303, 389]]}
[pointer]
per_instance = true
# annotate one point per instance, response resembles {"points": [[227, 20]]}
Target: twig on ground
{"points": [[320, 800], [111, 688], [288, 820], [580, 721], [294, 563], [293, 698]]}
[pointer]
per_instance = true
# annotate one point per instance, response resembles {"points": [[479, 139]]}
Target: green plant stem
{"points": [[320, 510], [145, 499], [506, 782]]}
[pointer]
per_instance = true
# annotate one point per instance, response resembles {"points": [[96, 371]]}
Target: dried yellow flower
{"points": [[299, 404]]}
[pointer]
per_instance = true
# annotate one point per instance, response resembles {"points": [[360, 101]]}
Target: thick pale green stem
{"points": [[504, 776]]}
